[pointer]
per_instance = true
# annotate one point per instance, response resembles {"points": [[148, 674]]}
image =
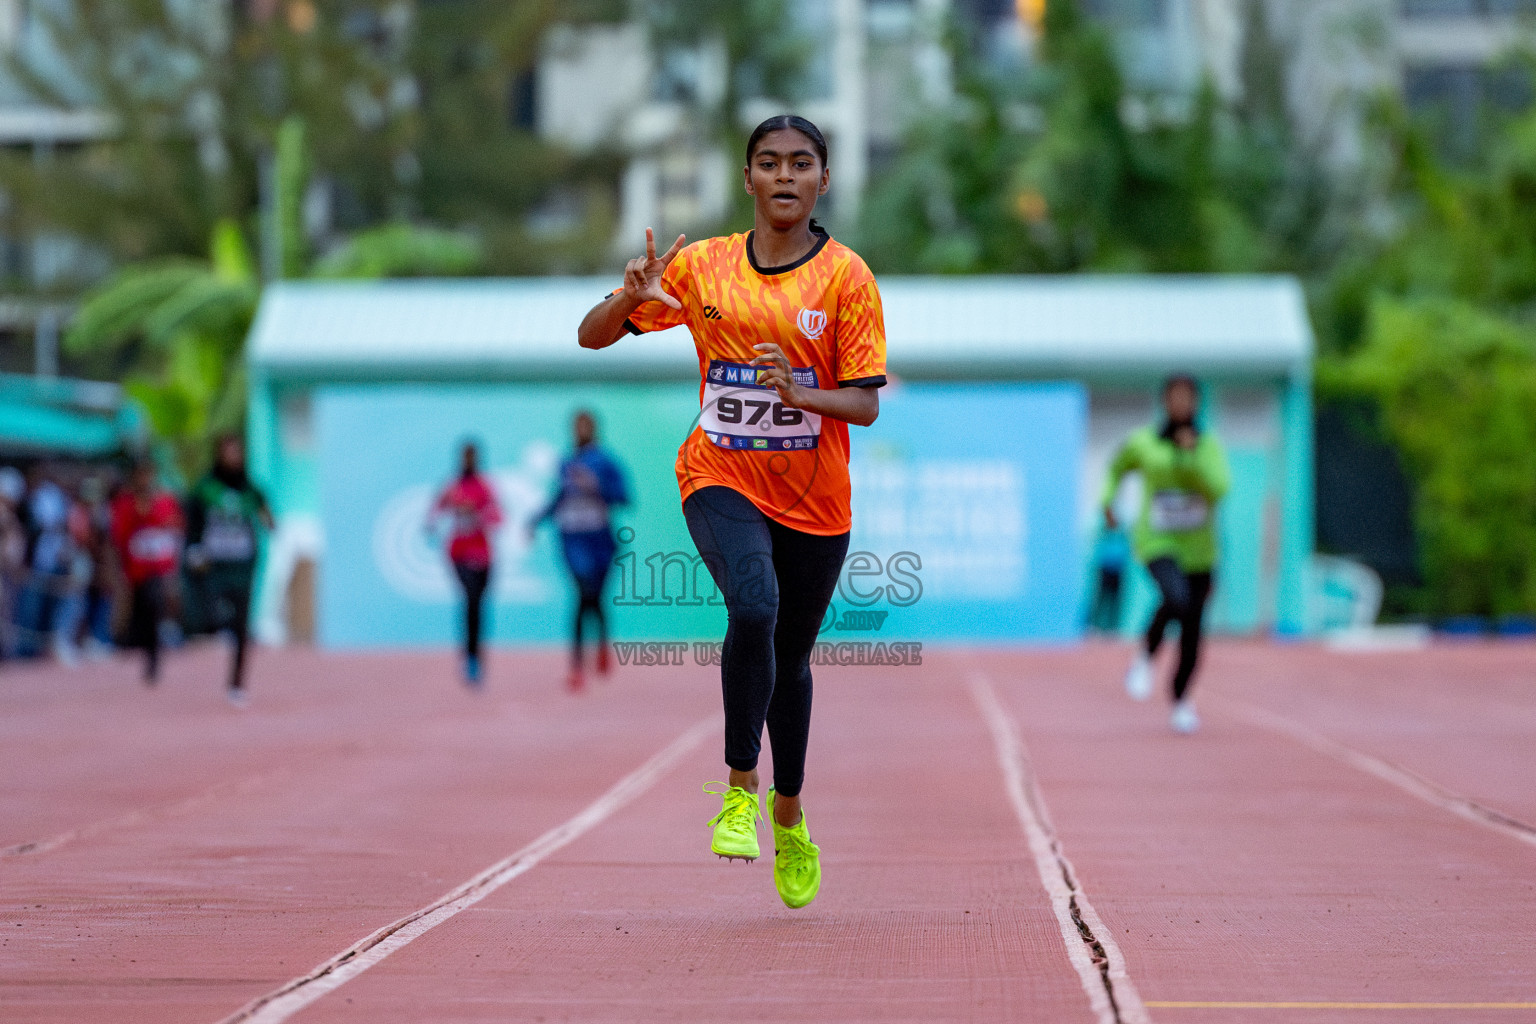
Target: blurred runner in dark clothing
{"points": [[470, 504], [147, 535], [224, 512], [591, 483]]}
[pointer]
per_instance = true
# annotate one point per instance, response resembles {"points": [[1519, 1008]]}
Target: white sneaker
{"points": [[66, 653], [1138, 678], [1184, 720]]}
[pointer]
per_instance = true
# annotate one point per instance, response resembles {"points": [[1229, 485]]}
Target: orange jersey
{"points": [[824, 312]]}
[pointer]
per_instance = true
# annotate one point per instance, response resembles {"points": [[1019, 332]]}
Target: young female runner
{"points": [[591, 484], [469, 503], [791, 346], [1184, 475]]}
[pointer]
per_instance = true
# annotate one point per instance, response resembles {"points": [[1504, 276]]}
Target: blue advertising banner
{"points": [[964, 501]]}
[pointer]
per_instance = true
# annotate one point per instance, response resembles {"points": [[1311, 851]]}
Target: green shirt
{"points": [[1182, 488], [222, 522]]}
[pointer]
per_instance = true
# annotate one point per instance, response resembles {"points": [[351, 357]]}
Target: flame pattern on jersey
{"points": [[824, 311]]}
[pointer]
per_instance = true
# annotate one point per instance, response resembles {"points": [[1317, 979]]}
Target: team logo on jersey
{"points": [[812, 322], [712, 313]]}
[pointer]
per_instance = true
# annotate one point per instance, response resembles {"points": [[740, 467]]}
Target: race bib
{"points": [[467, 522], [153, 544], [741, 413], [1178, 511], [581, 513], [229, 542]]}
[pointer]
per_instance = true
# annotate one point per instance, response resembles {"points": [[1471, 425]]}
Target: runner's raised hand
{"points": [[642, 277]]}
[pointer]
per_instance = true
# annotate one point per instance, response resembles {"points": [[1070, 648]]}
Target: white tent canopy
{"points": [[936, 326]]}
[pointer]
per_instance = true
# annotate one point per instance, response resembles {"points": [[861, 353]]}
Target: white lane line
{"points": [[140, 816], [1405, 780], [1111, 993], [283, 1002]]}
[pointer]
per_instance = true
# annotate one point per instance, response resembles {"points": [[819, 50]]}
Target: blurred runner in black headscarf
{"points": [[223, 513]]}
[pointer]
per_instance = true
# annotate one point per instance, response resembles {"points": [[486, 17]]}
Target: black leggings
{"points": [[588, 604], [777, 583], [474, 580], [229, 595], [1184, 597], [146, 607]]}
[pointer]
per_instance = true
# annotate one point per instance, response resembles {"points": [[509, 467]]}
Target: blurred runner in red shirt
{"points": [[470, 505], [147, 535]]}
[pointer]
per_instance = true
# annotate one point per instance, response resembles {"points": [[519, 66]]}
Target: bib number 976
{"points": [[732, 410]]}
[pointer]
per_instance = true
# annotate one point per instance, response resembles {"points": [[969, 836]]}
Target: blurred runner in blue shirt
{"points": [[591, 483]]}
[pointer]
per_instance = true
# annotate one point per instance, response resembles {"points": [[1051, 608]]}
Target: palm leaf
{"points": [[403, 250], [206, 304], [230, 253], [117, 312]]}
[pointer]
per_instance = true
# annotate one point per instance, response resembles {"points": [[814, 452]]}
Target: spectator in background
{"points": [[47, 611], [1111, 555], [13, 554], [98, 601], [69, 611], [469, 504], [590, 484], [223, 514], [147, 536]]}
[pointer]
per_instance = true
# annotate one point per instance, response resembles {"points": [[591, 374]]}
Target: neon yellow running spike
{"points": [[736, 824], [796, 861]]}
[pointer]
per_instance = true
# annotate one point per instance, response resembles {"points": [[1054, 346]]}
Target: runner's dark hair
{"points": [[1186, 380], [467, 445], [792, 122], [1180, 380]]}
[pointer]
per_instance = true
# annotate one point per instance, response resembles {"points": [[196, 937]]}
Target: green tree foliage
{"points": [[194, 95], [1062, 167], [1457, 388], [177, 326], [766, 53], [1434, 323], [537, 208]]}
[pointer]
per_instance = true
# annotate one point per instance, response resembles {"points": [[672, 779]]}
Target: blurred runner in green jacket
{"points": [[1184, 475], [224, 512]]}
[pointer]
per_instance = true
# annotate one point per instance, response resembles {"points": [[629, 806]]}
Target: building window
{"points": [[522, 101], [1462, 91], [1460, 99], [1412, 9], [677, 75], [1129, 13]]}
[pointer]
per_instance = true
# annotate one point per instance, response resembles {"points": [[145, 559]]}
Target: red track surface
{"points": [[169, 859]]}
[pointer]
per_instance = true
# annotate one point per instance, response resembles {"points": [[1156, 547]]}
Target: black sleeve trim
{"points": [[629, 325], [863, 382]]}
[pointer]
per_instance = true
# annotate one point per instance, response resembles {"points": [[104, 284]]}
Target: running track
{"points": [[1349, 839]]}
